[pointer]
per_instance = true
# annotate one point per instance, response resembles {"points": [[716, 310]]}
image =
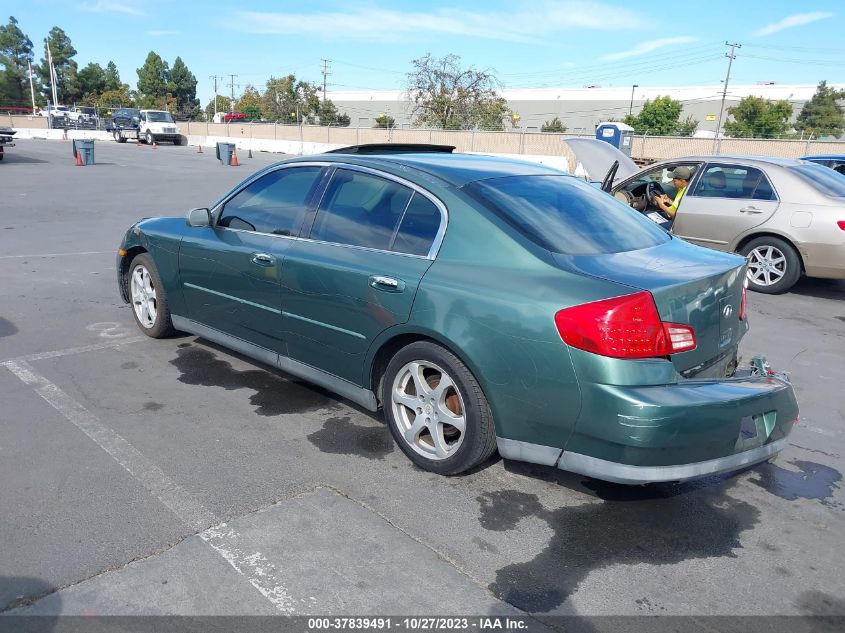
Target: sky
{"points": [[525, 44]]}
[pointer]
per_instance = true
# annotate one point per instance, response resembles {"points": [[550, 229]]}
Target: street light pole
{"points": [[631, 107]]}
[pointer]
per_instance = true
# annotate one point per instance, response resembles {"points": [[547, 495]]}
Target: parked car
{"points": [[786, 216], [835, 161], [481, 302]]}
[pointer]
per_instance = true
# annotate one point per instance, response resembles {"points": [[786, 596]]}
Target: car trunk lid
{"points": [[690, 285]]}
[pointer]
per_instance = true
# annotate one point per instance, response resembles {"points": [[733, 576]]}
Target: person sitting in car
{"points": [[680, 180]]}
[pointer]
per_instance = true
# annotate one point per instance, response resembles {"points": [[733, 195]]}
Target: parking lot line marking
{"points": [[259, 571], [55, 254], [255, 567], [70, 351]]}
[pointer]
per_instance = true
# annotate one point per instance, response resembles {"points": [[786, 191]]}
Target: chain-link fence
{"points": [[645, 148]]}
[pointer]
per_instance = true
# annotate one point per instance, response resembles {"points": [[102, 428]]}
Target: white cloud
{"points": [[799, 19], [162, 33], [649, 46], [109, 6], [524, 23]]}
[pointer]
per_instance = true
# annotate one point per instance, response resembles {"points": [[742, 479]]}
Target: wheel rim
{"points": [[144, 299], [766, 265], [149, 138], [428, 410]]}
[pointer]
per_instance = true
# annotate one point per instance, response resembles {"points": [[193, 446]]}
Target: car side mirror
{"points": [[199, 217]]}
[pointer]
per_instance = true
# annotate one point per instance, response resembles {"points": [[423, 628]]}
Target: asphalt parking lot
{"points": [[142, 476]]}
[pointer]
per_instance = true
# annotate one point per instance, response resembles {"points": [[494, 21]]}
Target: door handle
{"points": [[750, 209], [388, 284], [262, 259]]}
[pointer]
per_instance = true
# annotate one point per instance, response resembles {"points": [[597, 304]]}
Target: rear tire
{"points": [[773, 265], [436, 410], [148, 298]]}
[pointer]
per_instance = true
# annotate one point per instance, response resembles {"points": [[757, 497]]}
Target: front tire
{"points": [[150, 138], [436, 410], [148, 298], [177, 140], [773, 265]]}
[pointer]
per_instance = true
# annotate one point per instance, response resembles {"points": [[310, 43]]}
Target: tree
{"points": [[250, 103], [182, 84], [759, 118], [290, 101], [152, 81], [224, 104], [447, 96], [112, 77], [120, 97], [385, 121], [15, 55], [660, 117], [92, 79], [328, 114], [822, 115], [67, 82], [554, 125]]}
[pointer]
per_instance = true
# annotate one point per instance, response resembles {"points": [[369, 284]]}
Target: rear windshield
{"points": [[566, 215], [826, 180]]}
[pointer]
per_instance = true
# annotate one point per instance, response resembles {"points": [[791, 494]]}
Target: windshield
{"points": [[827, 181], [566, 215], [159, 117]]}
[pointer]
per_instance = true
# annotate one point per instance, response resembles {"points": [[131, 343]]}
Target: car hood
{"points": [[596, 157]]}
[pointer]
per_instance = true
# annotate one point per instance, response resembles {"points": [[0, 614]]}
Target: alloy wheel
{"points": [[428, 409], [144, 300], [766, 265]]}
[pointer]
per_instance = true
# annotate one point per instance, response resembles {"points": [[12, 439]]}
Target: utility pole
{"points": [[717, 142], [326, 73], [232, 86], [214, 78]]}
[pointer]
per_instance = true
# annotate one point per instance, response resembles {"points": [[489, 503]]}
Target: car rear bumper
{"points": [[628, 474], [824, 260], [672, 431]]}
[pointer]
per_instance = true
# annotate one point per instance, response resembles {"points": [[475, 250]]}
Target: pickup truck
{"points": [[123, 124]]}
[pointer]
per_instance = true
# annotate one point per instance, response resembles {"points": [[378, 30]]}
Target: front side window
{"points": [[661, 176], [734, 181], [565, 215], [275, 203], [360, 210]]}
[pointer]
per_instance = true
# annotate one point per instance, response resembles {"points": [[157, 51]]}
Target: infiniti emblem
{"points": [[727, 312]]}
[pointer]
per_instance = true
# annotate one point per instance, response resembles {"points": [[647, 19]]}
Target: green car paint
{"points": [[490, 296]]}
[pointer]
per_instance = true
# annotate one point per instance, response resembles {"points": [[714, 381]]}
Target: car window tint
{"points": [[360, 209], [826, 180], [275, 203], [566, 215], [734, 181], [419, 227]]}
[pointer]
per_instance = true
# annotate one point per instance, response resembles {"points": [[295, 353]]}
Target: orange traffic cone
{"points": [[79, 159], [234, 161]]}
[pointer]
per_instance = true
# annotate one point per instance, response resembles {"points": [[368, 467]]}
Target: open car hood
{"points": [[596, 158]]}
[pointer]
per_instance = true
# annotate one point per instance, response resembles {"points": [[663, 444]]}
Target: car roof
{"points": [[455, 169], [751, 160], [823, 156]]}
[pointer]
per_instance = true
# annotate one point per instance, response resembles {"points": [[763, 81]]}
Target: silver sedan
{"points": [[786, 216]]}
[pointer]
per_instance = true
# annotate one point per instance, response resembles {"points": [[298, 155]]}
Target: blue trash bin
{"points": [[85, 148], [224, 153]]}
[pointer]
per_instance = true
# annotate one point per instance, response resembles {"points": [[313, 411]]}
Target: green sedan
{"points": [[483, 303]]}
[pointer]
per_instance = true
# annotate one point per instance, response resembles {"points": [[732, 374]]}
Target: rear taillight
{"points": [[841, 224], [623, 327], [743, 302]]}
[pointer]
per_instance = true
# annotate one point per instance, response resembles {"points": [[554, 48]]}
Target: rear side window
{"points": [[734, 181], [275, 203], [419, 227], [826, 180], [360, 209], [566, 215]]}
